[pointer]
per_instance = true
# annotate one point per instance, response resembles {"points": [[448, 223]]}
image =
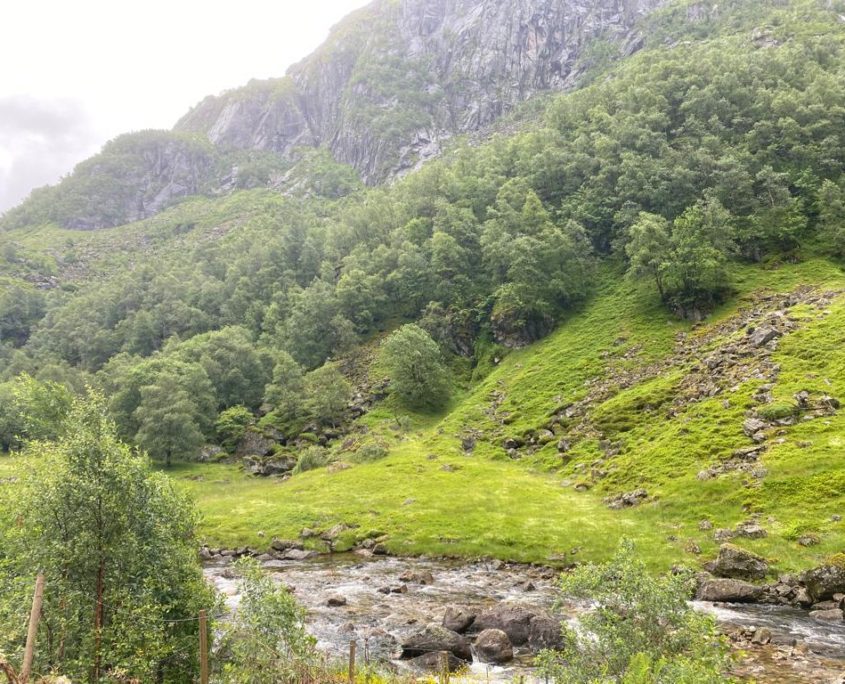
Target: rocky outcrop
{"points": [[736, 562], [825, 581], [396, 79]]}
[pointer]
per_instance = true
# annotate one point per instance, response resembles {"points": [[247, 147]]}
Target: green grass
{"points": [[485, 504], [430, 497]]}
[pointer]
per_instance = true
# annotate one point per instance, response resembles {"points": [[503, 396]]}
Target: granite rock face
{"points": [[395, 79]]}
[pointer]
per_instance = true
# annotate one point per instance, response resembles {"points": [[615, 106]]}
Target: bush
{"points": [[231, 426], [641, 630], [311, 458], [371, 451]]}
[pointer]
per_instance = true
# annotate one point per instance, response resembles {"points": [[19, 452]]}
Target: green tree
{"points": [[418, 375], [116, 544], [641, 630], [831, 209], [285, 393], [327, 394], [168, 420], [31, 410], [266, 638], [649, 250], [231, 425]]}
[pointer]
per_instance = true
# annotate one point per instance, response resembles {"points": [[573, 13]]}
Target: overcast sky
{"points": [[76, 73]]}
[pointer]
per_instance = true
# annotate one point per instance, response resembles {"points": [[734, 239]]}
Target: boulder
{"points": [[750, 530], [720, 590], [298, 554], [336, 601], [458, 619], [512, 620], [285, 544], [736, 562], [825, 581], [753, 426], [493, 646], [763, 335], [544, 632], [431, 662], [437, 638], [833, 615]]}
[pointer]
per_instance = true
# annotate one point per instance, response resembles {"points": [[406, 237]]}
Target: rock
{"points": [[336, 601], [437, 638], [334, 532], [493, 646], [512, 620], [719, 590], [627, 499], [254, 444], [298, 554], [380, 550], [802, 597], [458, 619], [761, 636], [417, 577], [808, 540], [399, 589], [431, 662], [825, 605], [564, 445], [763, 335], [705, 525], [722, 534], [750, 530], [545, 436], [544, 632], [754, 426], [825, 581], [834, 615], [468, 444], [735, 562], [284, 544], [513, 443]]}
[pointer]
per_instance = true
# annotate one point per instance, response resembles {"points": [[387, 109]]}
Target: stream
{"points": [[378, 619]]}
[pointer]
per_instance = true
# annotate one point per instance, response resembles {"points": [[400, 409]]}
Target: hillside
{"points": [[633, 287]]}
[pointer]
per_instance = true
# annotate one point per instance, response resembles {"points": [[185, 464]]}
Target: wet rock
{"points": [[720, 590], [512, 620], [738, 563], [544, 632], [825, 581], [431, 662], [336, 601], [417, 577], [458, 619], [834, 615], [826, 605], [493, 646], [298, 554], [762, 636], [437, 638]]}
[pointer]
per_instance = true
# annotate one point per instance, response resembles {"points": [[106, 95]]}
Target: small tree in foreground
{"points": [[116, 544], [413, 360], [642, 629], [266, 638]]}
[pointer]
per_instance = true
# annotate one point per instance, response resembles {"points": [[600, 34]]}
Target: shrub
{"points": [[311, 458]]}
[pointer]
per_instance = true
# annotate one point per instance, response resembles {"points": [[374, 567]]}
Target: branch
{"points": [[6, 669]]}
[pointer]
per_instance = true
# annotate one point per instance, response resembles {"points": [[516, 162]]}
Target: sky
{"points": [[76, 73]]}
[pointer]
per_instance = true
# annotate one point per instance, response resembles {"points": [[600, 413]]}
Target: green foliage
{"points": [[310, 458], [265, 642], [115, 542], [641, 630], [327, 394], [831, 210], [231, 425], [31, 410], [418, 375], [21, 307]]}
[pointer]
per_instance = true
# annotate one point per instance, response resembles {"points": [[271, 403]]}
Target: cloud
{"points": [[40, 140]]}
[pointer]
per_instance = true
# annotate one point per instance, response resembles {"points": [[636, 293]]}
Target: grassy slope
{"points": [[528, 509]]}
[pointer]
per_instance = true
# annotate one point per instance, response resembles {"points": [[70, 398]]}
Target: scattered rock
{"points": [[762, 636], [750, 530], [493, 646], [762, 335], [458, 619], [512, 620], [719, 590], [736, 562], [437, 638], [627, 500], [705, 525], [336, 601], [417, 577]]}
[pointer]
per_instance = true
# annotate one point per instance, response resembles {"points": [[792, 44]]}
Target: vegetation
{"points": [[641, 630], [417, 373], [115, 543]]}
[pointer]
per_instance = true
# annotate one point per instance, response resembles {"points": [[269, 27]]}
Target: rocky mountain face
{"points": [[393, 81], [396, 79]]}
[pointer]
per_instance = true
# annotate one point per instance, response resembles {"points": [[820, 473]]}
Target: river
{"points": [[378, 621]]}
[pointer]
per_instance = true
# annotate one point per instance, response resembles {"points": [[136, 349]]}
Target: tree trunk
{"points": [[167, 459], [98, 618]]}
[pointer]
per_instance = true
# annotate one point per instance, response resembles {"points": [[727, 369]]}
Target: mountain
{"points": [[630, 288], [393, 82]]}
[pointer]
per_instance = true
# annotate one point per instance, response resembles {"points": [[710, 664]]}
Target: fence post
{"points": [[444, 667], [203, 647], [352, 647], [34, 617]]}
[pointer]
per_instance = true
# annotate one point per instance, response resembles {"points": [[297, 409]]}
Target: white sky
{"points": [[76, 73]]}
